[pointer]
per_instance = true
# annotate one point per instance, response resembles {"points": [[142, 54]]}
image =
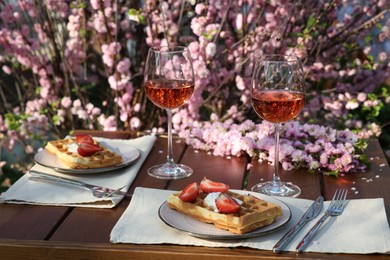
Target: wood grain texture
{"points": [[49, 250], [29, 222]]}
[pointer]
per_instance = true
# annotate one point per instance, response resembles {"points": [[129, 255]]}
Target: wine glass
{"points": [[278, 95], [169, 84]]}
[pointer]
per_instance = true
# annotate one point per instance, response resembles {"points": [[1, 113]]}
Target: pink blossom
{"points": [[126, 98], [211, 49], [119, 84], [197, 25], [29, 149], [123, 116], [123, 66], [108, 11], [95, 4], [135, 123], [109, 52], [96, 111], [240, 82], [77, 103], [199, 8], [361, 97], [6, 14], [109, 123], [98, 23], [66, 102], [351, 104], [7, 69], [239, 21]]}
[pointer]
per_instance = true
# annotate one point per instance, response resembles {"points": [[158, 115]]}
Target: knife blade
{"points": [[36, 175], [309, 215]]}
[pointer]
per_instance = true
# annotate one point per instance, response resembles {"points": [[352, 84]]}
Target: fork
{"points": [[98, 192], [335, 209]]}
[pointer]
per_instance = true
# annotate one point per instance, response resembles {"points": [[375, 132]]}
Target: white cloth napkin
{"points": [[361, 229], [26, 191]]}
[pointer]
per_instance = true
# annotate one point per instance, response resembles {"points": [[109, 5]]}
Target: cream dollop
{"points": [[72, 147]]}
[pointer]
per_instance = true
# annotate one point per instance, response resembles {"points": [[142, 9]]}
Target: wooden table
{"points": [[46, 232]]}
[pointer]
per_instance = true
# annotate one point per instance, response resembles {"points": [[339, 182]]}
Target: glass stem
{"points": [[170, 150], [276, 179]]}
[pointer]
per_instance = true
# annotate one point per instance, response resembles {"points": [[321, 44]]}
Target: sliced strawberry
{"points": [[190, 192], [87, 149], [211, 186], [84, 139], [226, 204]]}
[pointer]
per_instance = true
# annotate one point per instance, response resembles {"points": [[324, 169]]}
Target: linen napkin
{"points": [[361, 229], [26, 191]]}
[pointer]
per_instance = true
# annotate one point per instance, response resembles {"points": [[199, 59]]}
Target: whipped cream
{"points": [[210, 200], [72, 147]]}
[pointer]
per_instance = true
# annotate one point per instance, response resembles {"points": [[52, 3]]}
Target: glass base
{"points": [[170, 172], [283, 190]]}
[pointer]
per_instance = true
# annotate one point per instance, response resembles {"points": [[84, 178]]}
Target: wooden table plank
{"points": [[216, 168], [310, 184], [106, 134], [53, 250], [84, 225], [29, 222]]}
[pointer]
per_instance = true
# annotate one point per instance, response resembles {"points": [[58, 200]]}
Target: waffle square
{"points": [[101, 159], [254, 212]]}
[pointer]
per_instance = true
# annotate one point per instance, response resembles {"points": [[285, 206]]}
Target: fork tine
{"points": [[344, 199], [334, 199], [340, 199]]}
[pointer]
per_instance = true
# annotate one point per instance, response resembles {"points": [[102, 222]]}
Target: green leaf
{"points": [[78, 5], [56, 120], [136, 15], [83, 32], [333, 173], [368, 39], [310, 22]]}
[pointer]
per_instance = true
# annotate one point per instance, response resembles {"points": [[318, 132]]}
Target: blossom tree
{"points": [[69, 65]]}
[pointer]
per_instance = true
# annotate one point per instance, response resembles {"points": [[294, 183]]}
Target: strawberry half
{"points": [[87, 149], [84, 139], [226, 204], [190, 192], [212, 186]]}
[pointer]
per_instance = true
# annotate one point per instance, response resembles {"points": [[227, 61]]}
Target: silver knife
{"points": [[40, 176], [310, 214]]}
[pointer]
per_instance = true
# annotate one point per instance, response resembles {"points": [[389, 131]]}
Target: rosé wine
{"points": [[277, 106], [169, 94]]}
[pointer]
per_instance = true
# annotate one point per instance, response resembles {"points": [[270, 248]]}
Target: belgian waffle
{"points": [[70, 157], [254, 212]]}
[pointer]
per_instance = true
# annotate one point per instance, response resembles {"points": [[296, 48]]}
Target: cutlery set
{"points": [[335, 208]]}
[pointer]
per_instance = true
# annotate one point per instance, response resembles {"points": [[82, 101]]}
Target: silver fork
{"points": [[99, 192], [335, 208]]}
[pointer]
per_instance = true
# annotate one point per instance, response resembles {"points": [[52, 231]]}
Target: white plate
{"points": [[200, 229], [129, 155]]}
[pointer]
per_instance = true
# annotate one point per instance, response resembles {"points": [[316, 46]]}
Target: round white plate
{"points": [[200, 229], [129, 155]]}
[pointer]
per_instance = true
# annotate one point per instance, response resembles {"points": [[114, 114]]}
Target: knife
{"points": [[310, 214], [35, 175]]}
